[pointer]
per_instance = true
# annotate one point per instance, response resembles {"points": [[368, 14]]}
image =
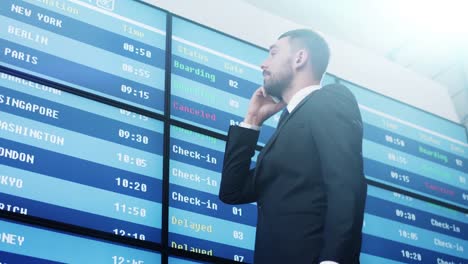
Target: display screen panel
{"points": [[198, 221], [80, 162], [401, 229], [213, 77], [413, 150], [112, 48], [27, 244]]}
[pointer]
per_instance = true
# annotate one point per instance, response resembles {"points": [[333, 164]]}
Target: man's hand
{"points": [[261, 107]]}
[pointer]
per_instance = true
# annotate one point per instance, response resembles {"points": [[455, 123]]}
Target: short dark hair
{"points": [[315, 45]]}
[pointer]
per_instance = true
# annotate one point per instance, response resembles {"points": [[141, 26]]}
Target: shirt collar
{"points": [[300, 95]]}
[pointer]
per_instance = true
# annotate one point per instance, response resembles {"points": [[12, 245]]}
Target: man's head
{"points": [[299, 55]]}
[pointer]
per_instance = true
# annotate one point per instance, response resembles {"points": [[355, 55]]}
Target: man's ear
{"points": [[301, 58]]}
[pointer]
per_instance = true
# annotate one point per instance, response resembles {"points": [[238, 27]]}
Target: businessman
{"points": [[308, 183]]}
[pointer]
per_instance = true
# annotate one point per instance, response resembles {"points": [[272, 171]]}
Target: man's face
{"points": [[277, 68]]}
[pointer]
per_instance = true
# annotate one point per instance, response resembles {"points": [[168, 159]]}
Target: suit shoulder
{"points": [[338, 90], [332, 95], [332, 102]]}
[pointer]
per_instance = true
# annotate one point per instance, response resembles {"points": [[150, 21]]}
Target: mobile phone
{"points": [[275, 99]]}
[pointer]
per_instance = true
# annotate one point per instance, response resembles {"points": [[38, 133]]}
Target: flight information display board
{"points": [[198, 221], [413, 150], [76, 161], [26, 244], [414, 231], [213, 77], [113, 48]]}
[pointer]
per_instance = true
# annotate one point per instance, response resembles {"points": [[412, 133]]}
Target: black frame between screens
{"points": [[164, 249]]}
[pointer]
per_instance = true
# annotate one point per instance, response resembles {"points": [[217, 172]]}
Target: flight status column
{"points": [[76, 161], [28, 244], [213, 77], [411, 149], [113, 48], [198, 221], [415, 231]]}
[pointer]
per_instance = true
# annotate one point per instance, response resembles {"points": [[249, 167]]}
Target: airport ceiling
{"points": [[428, 37]]}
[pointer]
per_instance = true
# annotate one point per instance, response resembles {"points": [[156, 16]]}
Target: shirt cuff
{"points": [[249, 126], [328, 262]]}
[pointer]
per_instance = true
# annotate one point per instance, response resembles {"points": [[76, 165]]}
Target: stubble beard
{"points": [[275, 85]]}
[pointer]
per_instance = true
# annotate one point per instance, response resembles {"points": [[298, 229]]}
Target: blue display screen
{"points": [[413, 150], [213, 77], [77, 161], [401, 229], [112, 48], [198, 221], [26, 244]]}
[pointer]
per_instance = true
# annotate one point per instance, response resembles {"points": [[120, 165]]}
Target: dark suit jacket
{"points": [[308, 183]]}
